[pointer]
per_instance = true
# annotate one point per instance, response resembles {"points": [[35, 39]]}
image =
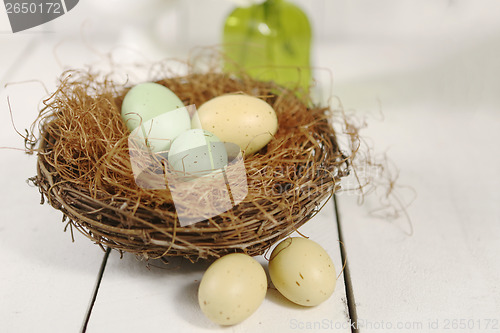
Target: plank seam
{"points": [[96, 290], [351, 303]]}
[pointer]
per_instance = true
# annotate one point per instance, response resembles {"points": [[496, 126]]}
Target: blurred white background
{"points": [[442, 41], [406, 33], [186, 23]]}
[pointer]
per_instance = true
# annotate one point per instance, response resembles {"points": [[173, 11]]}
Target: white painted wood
{"points": [[13, 48], [441, 131], [134, 298], [448, 269], [46, 281]]}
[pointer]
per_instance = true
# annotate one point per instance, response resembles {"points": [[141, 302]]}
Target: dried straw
{"points": [[84, 170]]}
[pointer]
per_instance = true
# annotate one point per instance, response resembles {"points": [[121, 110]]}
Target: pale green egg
{"points": [[159, 132], [146, 101], [197, 151]]}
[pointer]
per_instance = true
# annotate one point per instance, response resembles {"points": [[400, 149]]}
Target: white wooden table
{"points": [[440, 106]]}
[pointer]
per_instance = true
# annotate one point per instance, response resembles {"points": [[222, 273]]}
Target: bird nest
{"points": [[84, 170]]}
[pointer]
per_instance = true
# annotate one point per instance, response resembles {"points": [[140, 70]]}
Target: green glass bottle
{"points": [[270, 41]]}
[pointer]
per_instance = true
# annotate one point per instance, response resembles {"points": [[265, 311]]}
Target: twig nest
{"points": [[84, 170]]}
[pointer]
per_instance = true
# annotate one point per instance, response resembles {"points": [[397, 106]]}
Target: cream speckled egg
{"points": [[302, 271], [232, 288], [241, 119]]}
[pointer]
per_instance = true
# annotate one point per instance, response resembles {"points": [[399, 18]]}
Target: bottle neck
{"points": [[272, 9], [274, 2]]}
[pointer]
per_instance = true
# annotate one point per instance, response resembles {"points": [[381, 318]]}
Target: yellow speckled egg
{"points": [[302, 271], [232, 288], [244, 120]]}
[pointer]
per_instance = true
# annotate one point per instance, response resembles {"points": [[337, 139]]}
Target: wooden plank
{"points": [[448, 269], [46, 281], [440, 130], [134, 297]]}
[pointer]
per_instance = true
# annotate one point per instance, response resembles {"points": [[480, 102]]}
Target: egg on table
{"points": [[232, 288], [244, 120], [197, 151], [302, 271], [154, 114]]}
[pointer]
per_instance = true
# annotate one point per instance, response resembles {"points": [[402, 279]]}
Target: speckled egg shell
{"points": [[196, 151], [244, 120], [232, 288], [302, 271]]}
